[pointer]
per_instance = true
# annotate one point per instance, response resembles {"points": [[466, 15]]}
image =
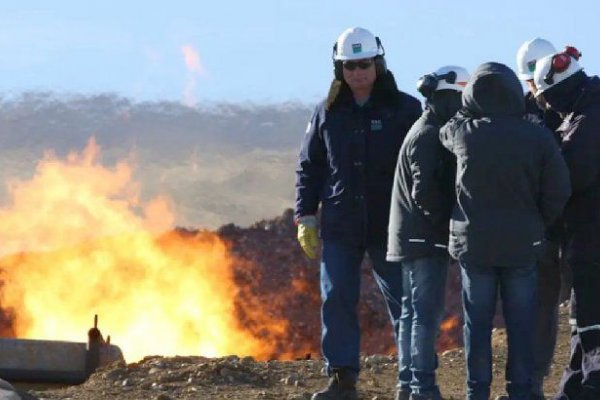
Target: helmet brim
{"points": [[358, 56], [525, 77]]}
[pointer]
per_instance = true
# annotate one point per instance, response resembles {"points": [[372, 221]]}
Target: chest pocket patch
{"points": [[376, 125]]}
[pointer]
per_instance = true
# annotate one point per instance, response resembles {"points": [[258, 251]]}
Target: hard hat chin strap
{"points": [[380, 46]]}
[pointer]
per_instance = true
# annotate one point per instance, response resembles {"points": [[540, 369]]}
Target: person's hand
{"points": [[308, 236]]}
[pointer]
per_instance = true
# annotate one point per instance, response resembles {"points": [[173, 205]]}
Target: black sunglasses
{"points": [[352, 65]]}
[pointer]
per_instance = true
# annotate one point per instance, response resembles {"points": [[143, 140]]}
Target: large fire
{"points": [[76, 240]]}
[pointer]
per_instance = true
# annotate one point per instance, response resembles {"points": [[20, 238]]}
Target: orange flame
{"points": [[450, 323], [76, 240], [450, 336]]}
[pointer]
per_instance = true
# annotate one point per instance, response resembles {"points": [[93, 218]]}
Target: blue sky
{"points": [[263, 51]]}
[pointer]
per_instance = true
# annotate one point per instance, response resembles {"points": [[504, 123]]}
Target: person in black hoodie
{"points": [[565, 87], [511, 185], [422, 198], [346, 166]]}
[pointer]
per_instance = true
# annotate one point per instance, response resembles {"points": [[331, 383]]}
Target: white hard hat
{"points": [[449, 77], [356, 43], [529, 53], [455, 83], [555, 68]]}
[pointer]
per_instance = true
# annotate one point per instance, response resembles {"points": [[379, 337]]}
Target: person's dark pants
{"points": [[581, 378], [549, 285], [340, 292], [518, 287], [424, 281]]}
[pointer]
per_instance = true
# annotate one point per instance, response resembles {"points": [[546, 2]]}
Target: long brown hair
{"points": [[385, 91]]}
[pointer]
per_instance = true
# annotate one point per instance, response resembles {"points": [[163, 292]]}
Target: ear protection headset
{"points": [[379, 60], [427, 84], [561, 62]]}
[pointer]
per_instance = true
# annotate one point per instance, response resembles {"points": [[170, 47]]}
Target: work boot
{"points": [[342, 386], [403, 394]]}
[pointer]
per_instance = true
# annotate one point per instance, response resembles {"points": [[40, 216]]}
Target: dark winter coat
{"points": [[580, 133], [511, 180], [423, 193], [541, 115], [347, 161], [545, 117]]}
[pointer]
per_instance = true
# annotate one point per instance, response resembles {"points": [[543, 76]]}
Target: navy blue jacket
{"points": [[511, 181], [580, 133], [551, 120], [347, 162]]}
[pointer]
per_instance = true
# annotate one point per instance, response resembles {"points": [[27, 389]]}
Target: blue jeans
{"points": [[424, 282], [518, 286], [340, 292]]}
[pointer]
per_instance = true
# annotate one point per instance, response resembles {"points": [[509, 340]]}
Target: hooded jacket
{"points": [[580, 146], [347, 161], [542, 115], [423, 195], [511, 180]]}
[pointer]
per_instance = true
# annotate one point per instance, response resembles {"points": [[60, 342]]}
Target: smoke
{"points": [[195, 69], [7, 315]]}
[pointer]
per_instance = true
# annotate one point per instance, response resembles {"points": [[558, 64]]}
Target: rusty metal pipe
{"points": [[49, 361]]}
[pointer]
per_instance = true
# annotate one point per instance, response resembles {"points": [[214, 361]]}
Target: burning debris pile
{"points": [[273, 275], [77, 240]]}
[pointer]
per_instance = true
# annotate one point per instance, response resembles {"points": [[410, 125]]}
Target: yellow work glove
{"points": [[308, 236]]}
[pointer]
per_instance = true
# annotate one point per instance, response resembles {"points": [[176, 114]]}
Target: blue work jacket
{"points": [[347, 162]]}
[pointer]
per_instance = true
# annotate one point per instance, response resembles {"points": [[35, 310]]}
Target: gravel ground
{"points": [[160, 378]]}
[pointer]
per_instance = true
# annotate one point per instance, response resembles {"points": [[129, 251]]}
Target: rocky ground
{"points": [[158, 378]]}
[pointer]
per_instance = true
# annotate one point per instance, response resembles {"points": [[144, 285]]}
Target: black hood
{"points": [[494, 89]]}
